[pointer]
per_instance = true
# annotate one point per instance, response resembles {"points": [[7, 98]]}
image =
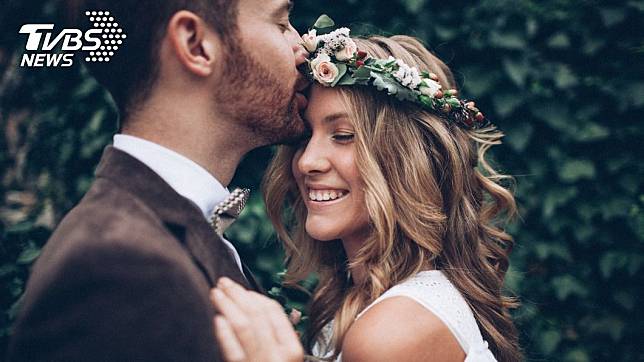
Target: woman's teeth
{"points": [[326, 195]]}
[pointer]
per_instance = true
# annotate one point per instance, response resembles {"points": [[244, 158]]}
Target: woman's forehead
{"points": [[326, 105]]}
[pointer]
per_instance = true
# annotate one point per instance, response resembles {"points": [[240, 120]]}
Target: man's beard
{"points": [[255, 98]]}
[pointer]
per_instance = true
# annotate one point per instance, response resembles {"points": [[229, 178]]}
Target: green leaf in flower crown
{"points": [[347, 79], [406, 94], [382, 82], [425, 100], [453, 102], [324, 21], [383, 63], [362, 73], [342, 70]]}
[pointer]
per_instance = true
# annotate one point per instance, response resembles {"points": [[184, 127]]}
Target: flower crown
{"points": [[336, 60]]}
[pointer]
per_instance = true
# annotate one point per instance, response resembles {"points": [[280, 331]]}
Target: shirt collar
{"points": [[185, 176]]}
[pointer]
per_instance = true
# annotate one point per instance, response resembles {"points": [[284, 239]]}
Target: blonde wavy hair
{"points": [[432, 199]]}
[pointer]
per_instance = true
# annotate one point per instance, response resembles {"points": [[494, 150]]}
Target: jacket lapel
{"points": [[180, 216], [252, 280]]}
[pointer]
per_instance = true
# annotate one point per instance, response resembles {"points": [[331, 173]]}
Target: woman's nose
{"points": [[313, 159]]}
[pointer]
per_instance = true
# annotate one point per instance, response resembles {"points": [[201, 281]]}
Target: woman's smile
{"points": [[323, 194]]}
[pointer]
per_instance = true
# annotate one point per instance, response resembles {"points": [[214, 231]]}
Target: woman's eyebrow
{"points": [[334, 117]]}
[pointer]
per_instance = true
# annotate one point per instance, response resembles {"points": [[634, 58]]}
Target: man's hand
{"points": [[252, 327]]}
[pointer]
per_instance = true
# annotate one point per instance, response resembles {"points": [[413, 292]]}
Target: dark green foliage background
{"points": [[563, 78]]}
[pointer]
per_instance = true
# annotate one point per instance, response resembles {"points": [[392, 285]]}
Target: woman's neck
{"points": [[351, 248]]}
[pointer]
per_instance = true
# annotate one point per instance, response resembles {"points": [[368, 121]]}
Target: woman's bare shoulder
{"points": [[397, 329]]}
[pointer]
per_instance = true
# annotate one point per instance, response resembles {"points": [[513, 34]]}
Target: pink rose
{"points": [[324, 71], [349, 50], [310, 40]]}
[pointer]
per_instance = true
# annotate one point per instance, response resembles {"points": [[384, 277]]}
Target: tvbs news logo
{"points": [[99, 43]]}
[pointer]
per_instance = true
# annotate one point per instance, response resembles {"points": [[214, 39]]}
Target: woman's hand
{"points": [[252, 327]]}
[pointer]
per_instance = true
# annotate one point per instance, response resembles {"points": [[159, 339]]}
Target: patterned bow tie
{"points": [[227, 211]]}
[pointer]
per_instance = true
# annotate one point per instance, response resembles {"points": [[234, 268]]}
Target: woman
{"points": [[392, 203]]}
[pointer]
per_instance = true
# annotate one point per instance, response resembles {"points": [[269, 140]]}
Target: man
{"points": [[126, 275]]}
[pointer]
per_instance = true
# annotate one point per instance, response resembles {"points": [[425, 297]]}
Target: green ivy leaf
{"points": [[324, 21], [574, 170], [559, 40], [549, 341], [28, 255], [566, 286], [577, 355], [506, 102], [519, 136], [517, 70]]}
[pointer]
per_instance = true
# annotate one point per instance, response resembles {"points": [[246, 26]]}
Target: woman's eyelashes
{"points": [[343, 137], [338, 137]]}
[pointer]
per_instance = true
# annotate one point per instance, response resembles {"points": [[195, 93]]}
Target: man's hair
{"points": [[131, 73]]}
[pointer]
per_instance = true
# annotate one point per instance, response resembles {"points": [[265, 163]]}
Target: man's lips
{"points": [[301, 86], [302, 102]]}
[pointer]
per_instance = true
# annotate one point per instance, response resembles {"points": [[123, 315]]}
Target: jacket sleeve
{"points": [[117, 305]]}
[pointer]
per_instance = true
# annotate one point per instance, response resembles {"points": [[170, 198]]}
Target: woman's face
{"points": [[326, 172]]}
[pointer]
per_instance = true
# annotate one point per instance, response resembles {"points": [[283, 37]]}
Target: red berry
{"points": [[359, 63], [362, 54], [479, 117], [438, 94]]}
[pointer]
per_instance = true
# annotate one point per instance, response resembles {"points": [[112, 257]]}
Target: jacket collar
{"points": [[181, 216]]}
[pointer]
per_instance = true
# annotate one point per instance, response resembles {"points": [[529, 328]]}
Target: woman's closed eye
{"points": [[343, 137]]}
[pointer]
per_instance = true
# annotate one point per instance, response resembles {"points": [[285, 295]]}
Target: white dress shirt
{"points": [[185, 176]]}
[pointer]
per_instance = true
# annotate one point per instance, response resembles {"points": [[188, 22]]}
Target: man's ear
{"points": [[193, 42]]}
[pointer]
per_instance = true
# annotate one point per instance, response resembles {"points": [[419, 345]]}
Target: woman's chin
{"points": [[321, 236], [320, 233]]}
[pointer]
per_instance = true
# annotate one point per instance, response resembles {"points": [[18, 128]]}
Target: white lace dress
{"points": [[434, 291]]}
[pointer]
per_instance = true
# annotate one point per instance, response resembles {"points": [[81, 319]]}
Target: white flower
{"points": [[429, 87], [324, 71], [406, 75], [310, 40], [334, 41], [335, 35], [346, 53]]}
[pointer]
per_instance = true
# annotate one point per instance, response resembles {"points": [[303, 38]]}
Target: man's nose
{"points": [[298, 48]]}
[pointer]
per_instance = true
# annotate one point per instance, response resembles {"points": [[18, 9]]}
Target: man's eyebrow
{"points": [[285, 8]]}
